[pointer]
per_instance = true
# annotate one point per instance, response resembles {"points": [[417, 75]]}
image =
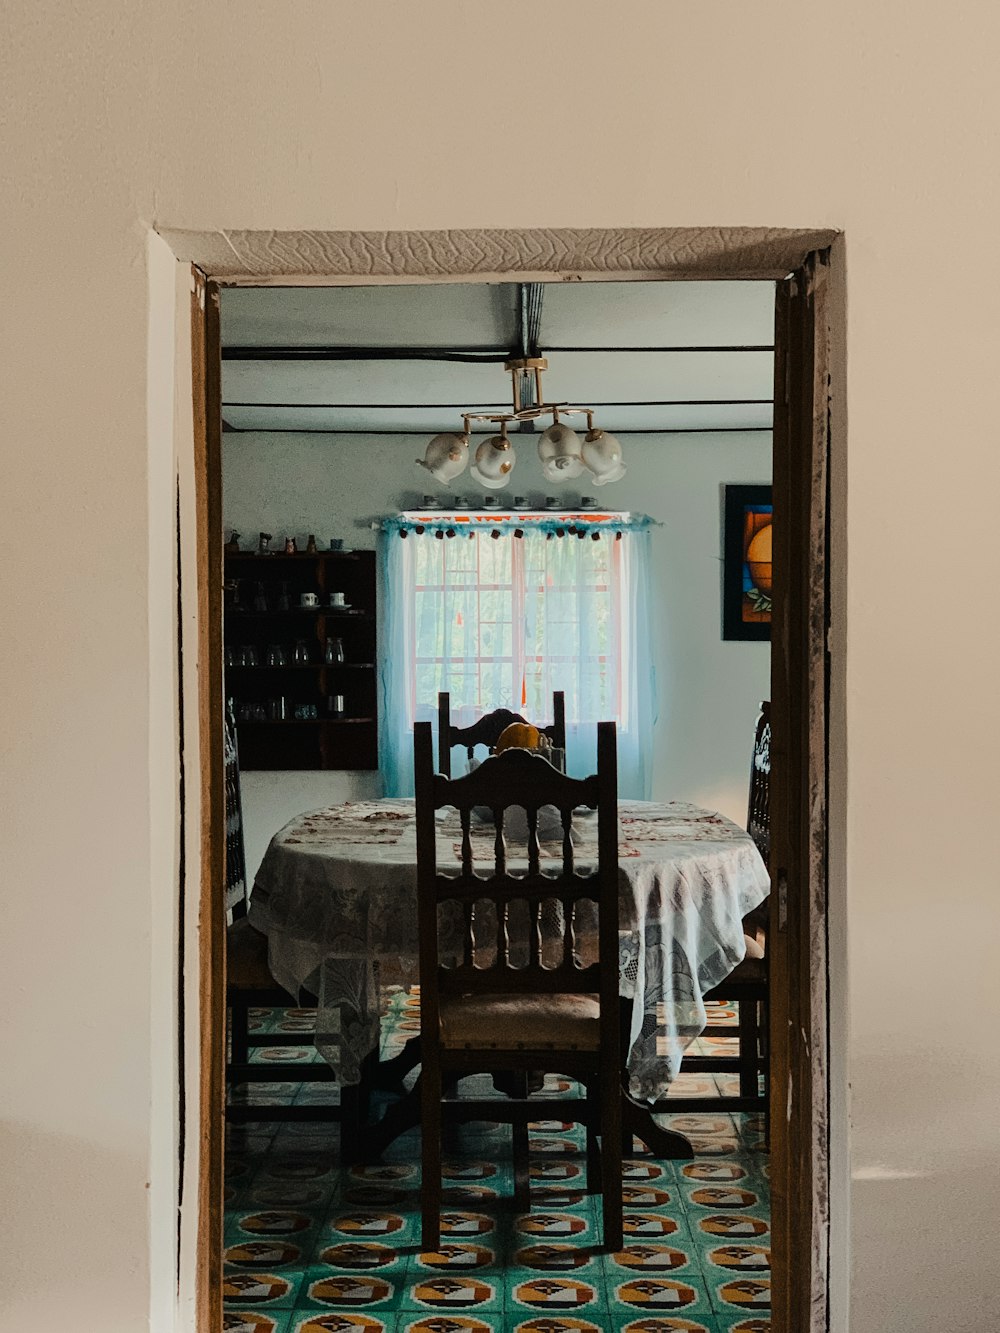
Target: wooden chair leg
{"points": [[522, 1192], [593, 1152], [611, 1157], [765, 1047], [749, 1031], [239, 1029], [430, 1155]]}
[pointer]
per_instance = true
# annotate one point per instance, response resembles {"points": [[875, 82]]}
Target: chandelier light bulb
{"points": [[446, 456], [602, 455], [559, 450], [495, 459]]}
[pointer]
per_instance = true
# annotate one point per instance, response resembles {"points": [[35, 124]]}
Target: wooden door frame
{"points": [[799, 262]]}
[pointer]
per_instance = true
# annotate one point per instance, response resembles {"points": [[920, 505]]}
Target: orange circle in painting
{"points": [[759, 558]]}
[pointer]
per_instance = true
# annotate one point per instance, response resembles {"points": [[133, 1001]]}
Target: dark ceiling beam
{"points": [[652, 430], [486, 356], [620, 402]]}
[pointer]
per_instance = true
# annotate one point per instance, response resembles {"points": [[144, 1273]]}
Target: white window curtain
{"points": [[501, 612]]}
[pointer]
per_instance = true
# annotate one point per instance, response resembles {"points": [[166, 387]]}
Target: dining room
{"points": [[496, 613]]}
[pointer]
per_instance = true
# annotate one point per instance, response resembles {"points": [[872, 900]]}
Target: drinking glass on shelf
{"points": [[229, 657], [248, 655], [284, 601], [334, 651], [277, 709], [276, 655], [260, 599], [301, 654]]}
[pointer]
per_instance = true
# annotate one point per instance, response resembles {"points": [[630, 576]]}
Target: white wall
{"points": [[708, 689], [880, 119]]}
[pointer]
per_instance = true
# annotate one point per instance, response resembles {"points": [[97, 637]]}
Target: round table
{"points": [[336, 896]]}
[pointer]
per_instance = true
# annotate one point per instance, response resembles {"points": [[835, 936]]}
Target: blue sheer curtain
{"points": [[505, 613]]}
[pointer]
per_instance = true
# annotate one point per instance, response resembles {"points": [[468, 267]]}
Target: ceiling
{"points": [[384, 359]]}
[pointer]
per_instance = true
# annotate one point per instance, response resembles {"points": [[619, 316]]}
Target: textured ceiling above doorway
{"points": [[670, 252]]}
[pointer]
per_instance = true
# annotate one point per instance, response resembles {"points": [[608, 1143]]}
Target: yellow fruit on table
{"points": [[519, 736]]}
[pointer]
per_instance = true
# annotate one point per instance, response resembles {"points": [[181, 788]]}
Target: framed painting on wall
{"points": [[746, 563]]}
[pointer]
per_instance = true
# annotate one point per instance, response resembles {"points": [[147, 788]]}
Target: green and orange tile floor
{"points": [[312, 1248]]}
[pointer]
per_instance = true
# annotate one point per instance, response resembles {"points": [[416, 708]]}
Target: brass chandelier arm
{"points": [[554, 410]]}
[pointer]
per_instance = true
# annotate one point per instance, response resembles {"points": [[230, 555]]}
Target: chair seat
{"points": [[751, 972], [246, 958], [528, 1022]]}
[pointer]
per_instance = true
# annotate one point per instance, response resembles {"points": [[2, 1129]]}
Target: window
{"points": [[503, 611]]}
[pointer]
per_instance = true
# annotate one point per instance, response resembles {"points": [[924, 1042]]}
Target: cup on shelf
{"points": [[308, 599], [338, 600]]}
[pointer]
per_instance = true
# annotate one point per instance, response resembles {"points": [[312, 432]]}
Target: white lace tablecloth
{"points": [[336, 897]]}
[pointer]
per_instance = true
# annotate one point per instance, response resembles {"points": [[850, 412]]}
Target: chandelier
{"points": [[563, 453]]}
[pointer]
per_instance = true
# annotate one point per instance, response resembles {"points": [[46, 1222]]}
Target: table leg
{"points": [[388, 1075], [638, 1119]]}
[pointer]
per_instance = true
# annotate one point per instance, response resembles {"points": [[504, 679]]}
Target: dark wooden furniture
{"points": [[249, 983], [262, 608], [489, 728], [747, 984], [485, 1016]]}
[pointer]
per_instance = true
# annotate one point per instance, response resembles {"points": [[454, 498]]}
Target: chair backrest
{"points": [[489, 728], [516, 778], [759, 814], [237, 890]]}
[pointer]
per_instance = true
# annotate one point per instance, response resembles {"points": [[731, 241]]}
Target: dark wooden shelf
{"points": [[303, 721], [275, 557], [336, 612], [325, 742]]}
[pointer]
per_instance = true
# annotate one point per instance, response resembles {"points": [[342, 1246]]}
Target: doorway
{"points": [[799, 692]]}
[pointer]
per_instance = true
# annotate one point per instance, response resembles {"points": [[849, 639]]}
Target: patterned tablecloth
{"points": [[336, 896]]}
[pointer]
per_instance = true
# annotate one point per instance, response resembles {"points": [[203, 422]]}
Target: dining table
{"points": [[336, 896]]}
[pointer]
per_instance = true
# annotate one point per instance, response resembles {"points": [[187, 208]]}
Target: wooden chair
{"points": [[249, 983], [747, 984], [488, 730], [479, 1018]]}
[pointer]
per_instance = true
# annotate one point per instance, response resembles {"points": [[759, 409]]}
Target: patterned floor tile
{"points": [[740, 1196], [731, 1228], [341, 1255], [412, 1321], [340, 1321], [365, 1292], [255, 1321], [296, 1225], [677, 1256], [261, 1291], [538, 1228], [561, 1293], [274, 1255], [341, 1248], [664, 1323], [644, 1295], [742, 1293], [592, 1322], [472, 1293]]}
